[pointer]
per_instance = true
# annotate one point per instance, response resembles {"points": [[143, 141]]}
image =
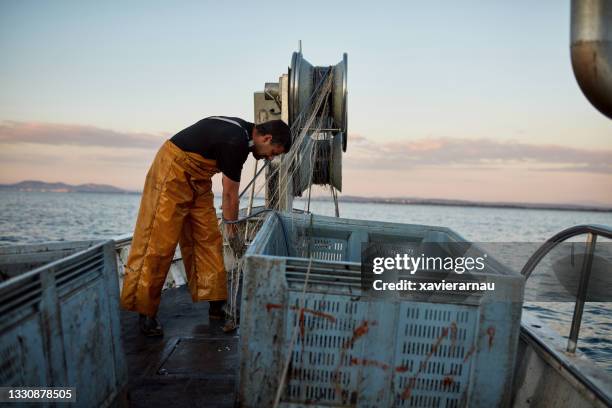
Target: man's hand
{"points": [[237, 245]]}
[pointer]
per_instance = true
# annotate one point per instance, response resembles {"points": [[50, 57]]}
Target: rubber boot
{"points": [[215, 309], [150, 326]]}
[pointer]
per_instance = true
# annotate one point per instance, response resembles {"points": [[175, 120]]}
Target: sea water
{"points": [[29, 217]]}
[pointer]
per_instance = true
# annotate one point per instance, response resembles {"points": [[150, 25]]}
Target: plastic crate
{"points": [[352, 350], [59, 327]]}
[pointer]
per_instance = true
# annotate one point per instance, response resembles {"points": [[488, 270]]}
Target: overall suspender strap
{"points": [[234, 123]]}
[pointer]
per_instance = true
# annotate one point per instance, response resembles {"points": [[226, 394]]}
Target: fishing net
{"points": [[307, 163]]}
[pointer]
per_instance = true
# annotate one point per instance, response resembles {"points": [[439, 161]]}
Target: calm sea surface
{"points": [[39, 217]]}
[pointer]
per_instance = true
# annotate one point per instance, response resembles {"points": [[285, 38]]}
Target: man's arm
{"points": [[229, 205]]}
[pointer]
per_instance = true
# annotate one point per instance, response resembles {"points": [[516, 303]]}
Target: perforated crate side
{"points": [[261, 332]]}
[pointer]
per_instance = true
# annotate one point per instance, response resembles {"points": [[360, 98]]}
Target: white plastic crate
{"points": [[352, 350]]}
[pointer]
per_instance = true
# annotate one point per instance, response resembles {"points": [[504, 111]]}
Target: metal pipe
{"points": [[254, 178], [309, 190], [272, 89], [592, 232], [581, 295], [252, 193], [591, 51], [250, 207], [335, 196], [568, 233]]}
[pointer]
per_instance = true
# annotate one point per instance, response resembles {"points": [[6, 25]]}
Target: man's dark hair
{"points": [[280, 131]]}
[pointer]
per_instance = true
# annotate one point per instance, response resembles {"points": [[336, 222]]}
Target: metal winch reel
{"points": [[303, 79], [319, 158], [329, 142]]}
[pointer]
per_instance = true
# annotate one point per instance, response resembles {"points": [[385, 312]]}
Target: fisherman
{"points": [[177, 207]]}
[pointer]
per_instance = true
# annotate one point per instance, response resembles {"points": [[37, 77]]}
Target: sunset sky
{"points": [[467, 100]]}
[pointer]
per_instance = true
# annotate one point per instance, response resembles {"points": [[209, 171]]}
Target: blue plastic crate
{"points": [[352, 350], [59, 326]]}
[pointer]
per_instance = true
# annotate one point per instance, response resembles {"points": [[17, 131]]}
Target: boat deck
{"points": [[194, 364]]}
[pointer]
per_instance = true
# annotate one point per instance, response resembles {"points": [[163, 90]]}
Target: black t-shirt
{"points": [[219, 140]]}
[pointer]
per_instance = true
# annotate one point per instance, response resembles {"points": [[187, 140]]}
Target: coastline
{"points": [[465, 203], [358, 199]]}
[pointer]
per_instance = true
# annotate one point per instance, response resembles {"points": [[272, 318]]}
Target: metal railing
{"points": [[592, 232]]}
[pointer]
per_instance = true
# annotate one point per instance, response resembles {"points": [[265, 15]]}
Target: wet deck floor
{"points": [[193, 365]]}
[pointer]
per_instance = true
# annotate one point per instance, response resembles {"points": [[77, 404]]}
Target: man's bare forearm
{"points": [[230, 202], [230, 206]]}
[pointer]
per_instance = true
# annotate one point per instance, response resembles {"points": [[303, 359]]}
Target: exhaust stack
{"points": [[591, 51]]}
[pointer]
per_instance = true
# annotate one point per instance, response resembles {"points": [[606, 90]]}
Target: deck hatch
{"points": [[201, 357]]}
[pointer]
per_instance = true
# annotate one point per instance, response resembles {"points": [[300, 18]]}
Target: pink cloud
{"points": [[474, 152], [79, 135]]}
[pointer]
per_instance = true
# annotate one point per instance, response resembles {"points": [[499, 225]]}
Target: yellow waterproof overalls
{"points": [[176, 207]]}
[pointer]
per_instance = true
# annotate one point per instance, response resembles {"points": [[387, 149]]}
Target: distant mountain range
{"points": [[41, 186]]}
